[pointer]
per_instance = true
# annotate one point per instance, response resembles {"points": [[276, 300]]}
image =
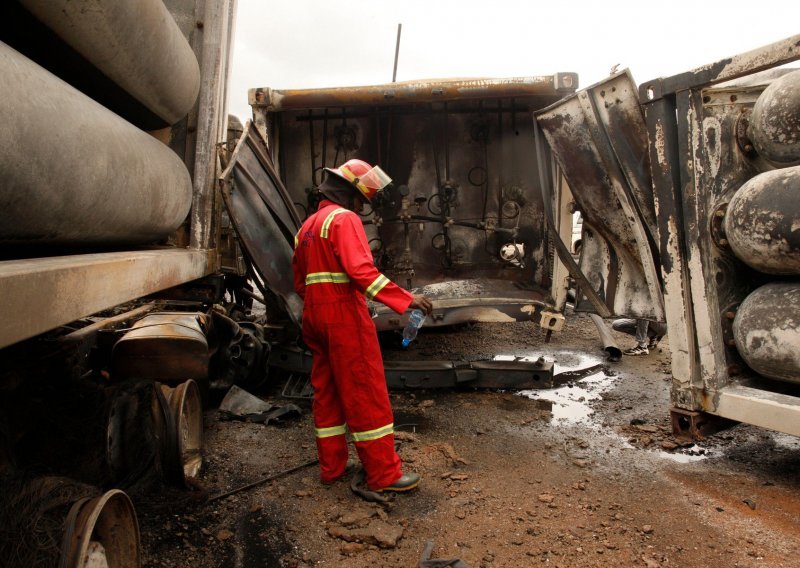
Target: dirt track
{"points": [[507, 481]]}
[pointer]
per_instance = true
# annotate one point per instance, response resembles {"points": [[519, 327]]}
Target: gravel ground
{"points": [[584, 475]]}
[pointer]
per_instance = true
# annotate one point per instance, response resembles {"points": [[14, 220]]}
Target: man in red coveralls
{"points": [[333, 272]]}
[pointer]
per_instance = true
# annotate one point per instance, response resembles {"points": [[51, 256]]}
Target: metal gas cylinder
{"points": [[767, 331], [775, 124], [762, 223]]}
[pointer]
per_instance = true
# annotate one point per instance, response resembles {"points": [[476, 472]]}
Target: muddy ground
{"points": [[594, 478]]}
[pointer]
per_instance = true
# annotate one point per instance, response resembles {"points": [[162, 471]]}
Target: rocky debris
{"points": [[377, 532]]}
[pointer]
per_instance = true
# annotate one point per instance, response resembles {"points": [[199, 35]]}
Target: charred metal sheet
{"points": [[517, 374], [41, 294], [767, 331], [599, 138], [241, 405], [163, 346], [463, 301], [759, 59], [412, 92], [265, 219]]}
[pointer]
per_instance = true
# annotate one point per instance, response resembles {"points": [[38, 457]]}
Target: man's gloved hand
{"points": [[421, 302]]}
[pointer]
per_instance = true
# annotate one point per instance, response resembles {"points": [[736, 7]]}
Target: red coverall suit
{"points": [[333, 272]]}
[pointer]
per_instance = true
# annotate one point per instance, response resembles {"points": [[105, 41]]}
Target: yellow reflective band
{"points": [[332, 431], [373, 434], [297, 239], [378, 285], [327, 277], [326, 225]]}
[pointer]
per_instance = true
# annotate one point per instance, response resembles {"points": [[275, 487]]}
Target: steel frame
{"points": [[706, 375]]}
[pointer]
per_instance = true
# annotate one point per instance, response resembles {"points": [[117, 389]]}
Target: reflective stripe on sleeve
{"points": [[328, 432], [373, 434], [326, 225], [327, 277], [378, 285]]}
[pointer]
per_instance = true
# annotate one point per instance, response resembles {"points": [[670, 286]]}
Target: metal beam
{"points": [[767, 409], [37, 295], [413, 92]]}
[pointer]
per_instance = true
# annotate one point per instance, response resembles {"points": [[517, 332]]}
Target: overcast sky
{"points": [[323, 43]]}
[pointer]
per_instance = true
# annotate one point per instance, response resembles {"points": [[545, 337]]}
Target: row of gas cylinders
{"points": [[762, 228], [80, 90]]}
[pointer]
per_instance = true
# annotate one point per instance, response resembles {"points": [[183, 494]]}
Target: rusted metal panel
{"points": [[265, 219], [215, 51], [41, 294], [599, 138], [759, 59], [163, 346], [430, 91]]}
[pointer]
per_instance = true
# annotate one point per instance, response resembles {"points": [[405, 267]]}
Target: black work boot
{"points": [[405, 482]]}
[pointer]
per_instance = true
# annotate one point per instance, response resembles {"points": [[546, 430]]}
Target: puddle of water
{"points": [[571, 403]]}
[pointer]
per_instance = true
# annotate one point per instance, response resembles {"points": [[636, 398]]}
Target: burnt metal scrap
{"points": [[599, 138], [239, 404], [520, 373]]}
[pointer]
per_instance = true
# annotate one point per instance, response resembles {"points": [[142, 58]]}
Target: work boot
{"points": [[638, 350], [405, 482], [654, 341]]}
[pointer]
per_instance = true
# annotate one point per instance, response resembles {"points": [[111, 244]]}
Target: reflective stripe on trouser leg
{"points": [[328, 413], [357, 366]]}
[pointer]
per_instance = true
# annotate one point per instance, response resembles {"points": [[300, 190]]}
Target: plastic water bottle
{"points": [[415, 321]]}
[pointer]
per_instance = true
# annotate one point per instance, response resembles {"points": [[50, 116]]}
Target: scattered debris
{"points": [[378, 532], [239, 404], [425, 560], [750, 503]]}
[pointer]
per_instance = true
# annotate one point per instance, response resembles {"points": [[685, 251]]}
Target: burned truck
{"points": [[688, 189], [139, 226]]}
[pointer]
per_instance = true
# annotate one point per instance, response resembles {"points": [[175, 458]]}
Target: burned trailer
{"points": [[112, 121], [723, 144], [463, 221], [691, 180]]}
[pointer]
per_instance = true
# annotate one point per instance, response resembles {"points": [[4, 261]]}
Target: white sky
{"points": [[325, 43]]}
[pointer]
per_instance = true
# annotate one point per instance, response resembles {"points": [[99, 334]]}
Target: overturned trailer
{"points": [[690, 183]]}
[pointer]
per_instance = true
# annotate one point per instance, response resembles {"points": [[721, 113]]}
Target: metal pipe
{"points": [[396, 52], [137, 45], [609, 345], [76, 173], [404, 93], [84, 332]]}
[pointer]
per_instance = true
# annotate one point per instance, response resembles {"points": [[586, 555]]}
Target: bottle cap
{"points": [[406, 342]]}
